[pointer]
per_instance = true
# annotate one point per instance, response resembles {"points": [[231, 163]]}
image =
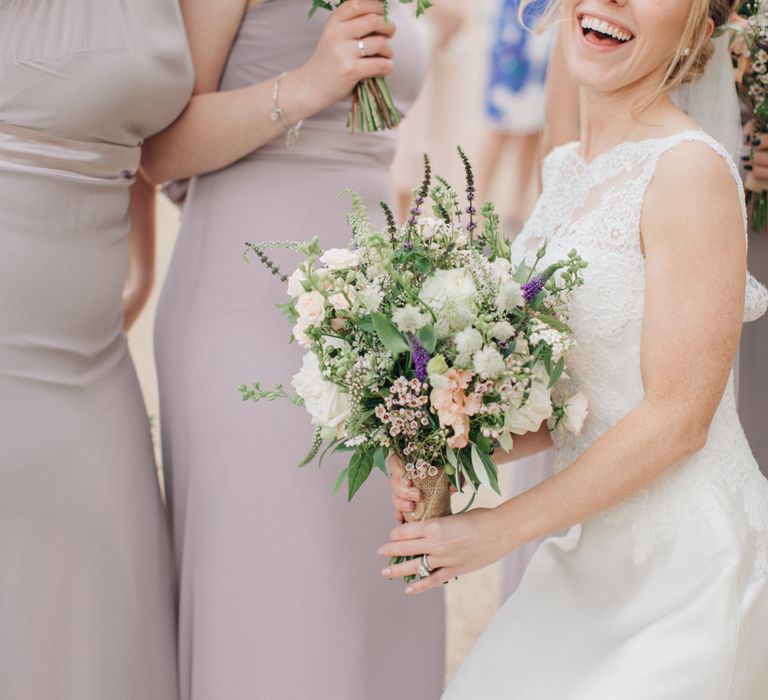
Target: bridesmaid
{"points": [[264, 612], [86, 585]]}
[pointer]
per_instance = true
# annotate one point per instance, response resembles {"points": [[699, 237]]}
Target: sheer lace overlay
{"points": [[595, 207]]}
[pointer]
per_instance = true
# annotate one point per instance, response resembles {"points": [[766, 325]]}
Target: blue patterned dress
{"points": [[517, 69]]}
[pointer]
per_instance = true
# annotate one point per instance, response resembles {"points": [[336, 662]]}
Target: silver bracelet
{"points": [[277, 114]]}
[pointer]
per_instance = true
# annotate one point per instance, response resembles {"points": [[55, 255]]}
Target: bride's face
{"points": [[615, 44]]}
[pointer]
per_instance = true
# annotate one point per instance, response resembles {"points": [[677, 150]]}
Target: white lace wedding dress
{"points": [[666, 596]]}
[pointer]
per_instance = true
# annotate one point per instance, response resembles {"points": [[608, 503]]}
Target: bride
{"points": [[660, 588]]}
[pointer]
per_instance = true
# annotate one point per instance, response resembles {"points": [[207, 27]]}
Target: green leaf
{"points": [[555, 323], [506, 441], [428, 338], [485, 469], [366, 324], [380, 460], [360, 467], [389, 335], [340, 480], [557, 372], [330, 446], [289, 311]]}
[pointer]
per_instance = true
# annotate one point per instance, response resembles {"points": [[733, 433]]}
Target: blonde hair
{"points": [[693, 51]]}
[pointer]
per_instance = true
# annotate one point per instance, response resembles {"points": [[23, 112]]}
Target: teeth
{"points": [[604, 27]]}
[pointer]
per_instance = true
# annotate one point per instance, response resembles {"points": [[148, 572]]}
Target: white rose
{"points": [[576, 410], [340, 258], [295, 286], [536, 409], [311, 307], [300, 333], [451, 293], [325, 402], [432, 227], [340, 301]]}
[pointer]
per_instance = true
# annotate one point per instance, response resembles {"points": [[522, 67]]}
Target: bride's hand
{"points": [[455, 545], [404, 495]]}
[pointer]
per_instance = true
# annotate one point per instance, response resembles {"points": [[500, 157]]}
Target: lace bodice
{"points": [[595, 208]]}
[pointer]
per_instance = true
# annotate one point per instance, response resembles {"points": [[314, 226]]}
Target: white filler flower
{"points": [[409, 319]]}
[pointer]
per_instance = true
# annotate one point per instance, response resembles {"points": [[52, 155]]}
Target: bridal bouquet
{"points": [[752, 77], [427, 341], [373, 108]]}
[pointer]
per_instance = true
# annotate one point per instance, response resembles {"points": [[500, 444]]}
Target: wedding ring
{"points": [[423, 572], [425, 564], [361, 48]]}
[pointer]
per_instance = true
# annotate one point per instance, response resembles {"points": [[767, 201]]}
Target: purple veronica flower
{"points": [[420, 358], [532, 288]]}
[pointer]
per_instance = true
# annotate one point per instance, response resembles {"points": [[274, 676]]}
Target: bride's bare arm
{"points": [[219, 127], [694, 246]]}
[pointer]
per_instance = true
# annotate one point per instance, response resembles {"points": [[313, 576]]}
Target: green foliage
{"points": [[256, 393], [392, 339], [360, 467]]}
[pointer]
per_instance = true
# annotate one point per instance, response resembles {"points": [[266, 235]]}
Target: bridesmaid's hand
{"points": [[756, 162], [405, 495], [338, 64], [455, 545]]}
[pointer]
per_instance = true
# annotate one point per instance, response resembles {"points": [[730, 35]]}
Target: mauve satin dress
{"points": [[86, 583], [280, 592]]}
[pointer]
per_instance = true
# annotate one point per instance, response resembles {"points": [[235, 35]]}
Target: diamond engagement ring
{"points": [[424, 568], [361, 48]]}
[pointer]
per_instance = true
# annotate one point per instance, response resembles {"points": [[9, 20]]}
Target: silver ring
{"points": [[425, 564], [422, 572], [361, 48]]}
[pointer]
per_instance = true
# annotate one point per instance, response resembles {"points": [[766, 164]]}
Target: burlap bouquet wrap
{"points": [[436, 497]]}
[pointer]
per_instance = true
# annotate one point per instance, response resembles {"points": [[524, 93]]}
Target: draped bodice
{"points": [[278, 35]]}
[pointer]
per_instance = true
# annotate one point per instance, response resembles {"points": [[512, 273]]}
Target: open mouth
{"points": [[600, 32]]}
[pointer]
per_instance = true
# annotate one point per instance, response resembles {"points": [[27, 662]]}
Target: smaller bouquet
{"points": [[428, 341], [373, 108], [750, 30]]}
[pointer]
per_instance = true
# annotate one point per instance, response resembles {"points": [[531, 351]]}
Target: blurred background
{"points": [[485, 92]]}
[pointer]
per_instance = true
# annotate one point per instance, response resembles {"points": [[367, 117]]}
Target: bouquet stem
{"points": [[373, 108], [436, 501]]}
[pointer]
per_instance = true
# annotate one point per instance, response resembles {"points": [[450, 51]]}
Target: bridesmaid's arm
{"points": [[218, 128], [694, 247], [141, 251]]}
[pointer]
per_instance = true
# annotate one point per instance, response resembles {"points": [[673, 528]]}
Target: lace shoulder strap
{"points": [[756, 295], [695, 135]]}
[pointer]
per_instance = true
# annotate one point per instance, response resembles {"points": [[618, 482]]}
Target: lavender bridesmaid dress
{"points": [[86, 584], [280, 592]]}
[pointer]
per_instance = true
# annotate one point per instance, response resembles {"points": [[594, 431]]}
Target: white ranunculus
{"points": [[340, 258], [409, 319], [295, 286], [311, 307], [533, 412], [576, 409], [510, 296], [325, 402], [451, 294], [468, 341], [488, 362]]}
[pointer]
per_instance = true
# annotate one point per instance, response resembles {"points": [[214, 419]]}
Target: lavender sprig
{"points": [[532, 288], [420, 196], [391, 225], [420, 357], [470, 178]]}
